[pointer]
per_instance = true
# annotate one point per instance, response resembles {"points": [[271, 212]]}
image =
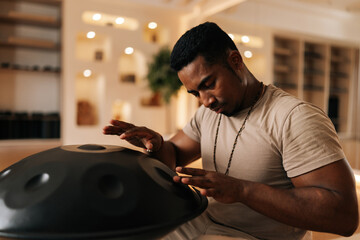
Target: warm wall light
{"points": [[96, 17], [231, 36], [152, 25], [129, 50], [87, 73], [90, 34], [107, 20], [248, 41], [248, 54], [245, 39], [119, 20]]}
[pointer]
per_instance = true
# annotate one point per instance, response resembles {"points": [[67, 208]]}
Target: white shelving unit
{"points": [[30, 71], [320, 72]]}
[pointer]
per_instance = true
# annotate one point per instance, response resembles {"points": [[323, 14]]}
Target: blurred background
{"points": [[69, 66]]}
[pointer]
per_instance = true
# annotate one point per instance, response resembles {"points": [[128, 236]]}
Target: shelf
{"points": [[282, 51], [313, 55], [339, 75], [25, 125], [282, 69], [310, 87], [286, 65], [30, 19], [285, 85], [9, 70], [29, 43], [30, 69], [43, 2], [313, 72], [334, 90], [339, 60]]}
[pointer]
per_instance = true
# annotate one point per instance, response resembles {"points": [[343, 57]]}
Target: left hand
{"points": [[222, 188], [138, 136]]}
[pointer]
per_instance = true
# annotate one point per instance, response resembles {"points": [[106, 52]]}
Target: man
{"points": [[272, 164]]}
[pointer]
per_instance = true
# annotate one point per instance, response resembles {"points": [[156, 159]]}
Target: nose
{"points": [[206, 98]]}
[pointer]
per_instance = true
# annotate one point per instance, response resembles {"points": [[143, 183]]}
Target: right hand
{"points": [[139, 136]]}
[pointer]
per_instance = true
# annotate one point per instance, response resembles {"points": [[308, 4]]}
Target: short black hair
{"points": [[207, 40]]}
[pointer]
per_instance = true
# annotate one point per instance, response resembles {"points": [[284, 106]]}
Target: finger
{"points": [[200, 182], [177, 179], [191, 171], [211, 192], [112, 130], [137, 141], [204, 192], [147, 143], [141, 134], [121, 124], [135, 133]]}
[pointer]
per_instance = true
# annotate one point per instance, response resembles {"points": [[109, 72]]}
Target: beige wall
{"points": [[109, 70]]}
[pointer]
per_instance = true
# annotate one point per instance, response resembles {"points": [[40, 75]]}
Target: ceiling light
{"points": [[152, 25], [231, 36], [120, 20], [245, 39], [129, 50], [248, 54], [87, 73], [96, 17], [90, 34]]}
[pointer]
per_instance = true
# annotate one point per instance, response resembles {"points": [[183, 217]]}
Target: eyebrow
{"points": [[201, 85]]}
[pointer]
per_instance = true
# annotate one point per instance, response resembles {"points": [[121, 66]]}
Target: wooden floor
{"points": [[11, 153]]}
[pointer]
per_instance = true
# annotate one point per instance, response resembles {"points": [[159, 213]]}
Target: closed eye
{"points": [[207, 83], [195, 93], [210, 84]]}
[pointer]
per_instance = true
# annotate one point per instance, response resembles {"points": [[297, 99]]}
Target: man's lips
{"points": [[217, 109]]}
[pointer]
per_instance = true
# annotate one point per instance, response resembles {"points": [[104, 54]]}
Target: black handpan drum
{"points": [[93, 192]]}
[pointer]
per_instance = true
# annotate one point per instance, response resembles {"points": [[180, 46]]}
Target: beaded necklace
{"points": [[258, 96]]}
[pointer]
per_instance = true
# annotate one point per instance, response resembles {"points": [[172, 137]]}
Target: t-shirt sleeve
{"points": [[192, 129], [309, 141]]}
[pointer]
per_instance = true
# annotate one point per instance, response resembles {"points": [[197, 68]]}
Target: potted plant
{"points": [[162, 78]]}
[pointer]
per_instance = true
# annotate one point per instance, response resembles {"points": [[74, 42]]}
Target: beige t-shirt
{"points": [[284, 137]]}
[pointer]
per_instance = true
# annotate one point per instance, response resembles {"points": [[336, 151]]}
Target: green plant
{"points": [[162, 78]]}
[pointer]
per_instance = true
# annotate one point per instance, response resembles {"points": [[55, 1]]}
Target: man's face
{"points": [[216, 86]]}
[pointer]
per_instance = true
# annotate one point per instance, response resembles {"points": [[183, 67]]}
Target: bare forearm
{"points": [[172, 156], [322, 200], [166, 154], [310, 208]]}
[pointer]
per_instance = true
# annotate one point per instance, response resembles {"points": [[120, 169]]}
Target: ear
{"points": [[235, 60]]}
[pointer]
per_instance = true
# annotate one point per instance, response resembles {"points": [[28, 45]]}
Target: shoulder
{"points": [[280, 106], [281, 101], [276, 106], [203, 120], [280, 113]]}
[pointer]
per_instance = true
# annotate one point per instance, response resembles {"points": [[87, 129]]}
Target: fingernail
{"points": [[178, 169], [184, 180], [150, 146]]}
